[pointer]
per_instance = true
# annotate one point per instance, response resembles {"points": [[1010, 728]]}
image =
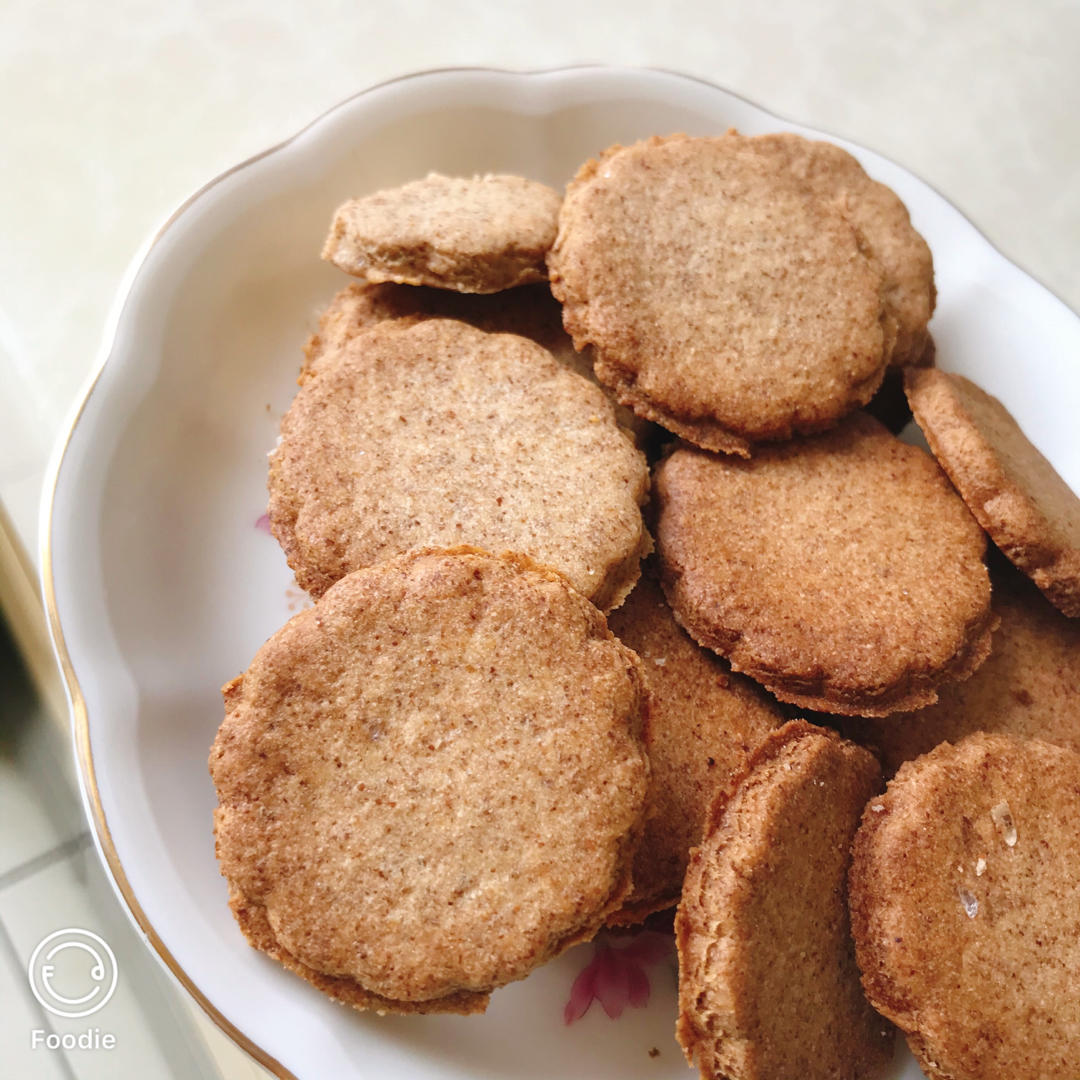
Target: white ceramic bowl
{"points": [[160, 587]]}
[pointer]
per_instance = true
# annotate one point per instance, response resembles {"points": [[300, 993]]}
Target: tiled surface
{"points": [[70, 893], [19, 1017], [38, 810], [51, 879]]}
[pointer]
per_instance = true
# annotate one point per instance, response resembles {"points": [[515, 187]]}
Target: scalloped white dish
{"points": [[160, 585]]}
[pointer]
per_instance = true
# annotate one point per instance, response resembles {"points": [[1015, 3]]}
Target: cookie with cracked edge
{"points": [[704, 723], [768, 985], [841, 571], [475, 234], [1017, 496], [1029, 686], [724, 298], [435, 433], [446, 747], [965, 906]]}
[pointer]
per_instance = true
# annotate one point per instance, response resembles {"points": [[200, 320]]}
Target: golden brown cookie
{"points": [[475, 235], [724, 298], [530, 311], [965, 905], [445, 749], [768, 987], [256, 927], [1014, 492], [842, 571], [882, 222], [703, 724], [436, 433], [1028, 687]]}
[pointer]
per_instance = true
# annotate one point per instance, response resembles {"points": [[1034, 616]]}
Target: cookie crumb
{"points": [[654, 1052], [1003, 819], [971, 904]]}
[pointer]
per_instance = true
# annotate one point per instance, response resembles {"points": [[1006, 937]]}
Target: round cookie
{"points": [[768, 986], [882, 222], [1028, 687], [704, 722], [842, 572], [446, 748], [1015, 493], [530, 311], [965, 906], [475, 235], [724, 299], [434, 433]]}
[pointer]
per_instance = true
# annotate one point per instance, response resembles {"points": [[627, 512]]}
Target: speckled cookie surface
{"points": [[704, 723], [841, 571], [478, 234], [965, 905], [446, 748], [1014, 492], [768, 987], [724, 299], [1029, 685], [435, 433], [260, 934], [530, 311], [882, 222]]}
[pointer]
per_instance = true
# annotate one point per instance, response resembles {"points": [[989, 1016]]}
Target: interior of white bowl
{"points": [[164, 585]]}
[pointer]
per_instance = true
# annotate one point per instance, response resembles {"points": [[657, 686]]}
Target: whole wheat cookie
{"points": [[1028, 687], [883, 223], [768, 986], [434, 433], [475, 235], [965, 905], [1015, 493], [704, 723], [724, 298], [255, 924], [842, 572], [446, 748], [530, 311]]}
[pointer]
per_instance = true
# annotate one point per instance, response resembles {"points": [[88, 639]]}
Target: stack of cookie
{"points": [[455, 745]]}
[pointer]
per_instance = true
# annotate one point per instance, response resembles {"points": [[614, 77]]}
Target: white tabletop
{"points": [[111, 113]]}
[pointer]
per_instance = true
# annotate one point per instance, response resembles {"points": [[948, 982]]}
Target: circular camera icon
{"points": [[72, 972]]}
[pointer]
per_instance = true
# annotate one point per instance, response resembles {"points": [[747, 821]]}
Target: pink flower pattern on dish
{"points": [[616, 976]]}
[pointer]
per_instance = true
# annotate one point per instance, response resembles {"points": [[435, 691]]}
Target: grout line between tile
{"points": [[44, 860], [11, 956]]}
